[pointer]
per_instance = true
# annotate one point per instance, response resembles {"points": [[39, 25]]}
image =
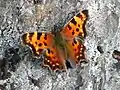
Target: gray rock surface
{"points": [[20, 71]]}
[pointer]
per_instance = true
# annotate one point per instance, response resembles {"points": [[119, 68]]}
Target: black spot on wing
{"points": [[40, 50], [78, 15], [31, 35], [24, 37], [38, 36], [69, 27], [80, 34], [45, 43], [48, 51], [73, 21], [40, 44], [73, 32], [45, 37], [33, 49], [77, 29], [72, 44], [75, 41], [85, 12], [35, 42]]}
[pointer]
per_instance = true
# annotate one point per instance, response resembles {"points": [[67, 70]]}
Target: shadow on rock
{"points": [[9, 62]]}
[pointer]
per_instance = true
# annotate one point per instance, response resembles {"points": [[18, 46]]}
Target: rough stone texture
{"points": [[20, 71]]}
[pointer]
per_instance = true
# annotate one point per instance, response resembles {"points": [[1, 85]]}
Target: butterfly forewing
{"points": [[38, 41], [76, 26]]}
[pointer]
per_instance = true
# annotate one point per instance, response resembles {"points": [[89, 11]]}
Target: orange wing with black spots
{"points": [[76, 26], [76, 51], [39, 41], [55, 59]]}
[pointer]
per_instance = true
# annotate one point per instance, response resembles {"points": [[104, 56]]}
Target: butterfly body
{"points": [[61, 45], [58, 39]]}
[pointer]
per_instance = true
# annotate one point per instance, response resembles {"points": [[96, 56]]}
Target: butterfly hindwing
{"points": [[78, 51], [54, 58]]}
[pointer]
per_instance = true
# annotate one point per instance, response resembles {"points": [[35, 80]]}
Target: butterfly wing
{"points": [[75, 28], [55, 59], [76, 51], [39, 41]]}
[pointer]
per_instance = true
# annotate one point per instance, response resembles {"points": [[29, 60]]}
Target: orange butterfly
{"points": [[60, 46]]}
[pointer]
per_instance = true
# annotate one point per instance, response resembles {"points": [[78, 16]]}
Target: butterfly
{"points": [[59, 46]]}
